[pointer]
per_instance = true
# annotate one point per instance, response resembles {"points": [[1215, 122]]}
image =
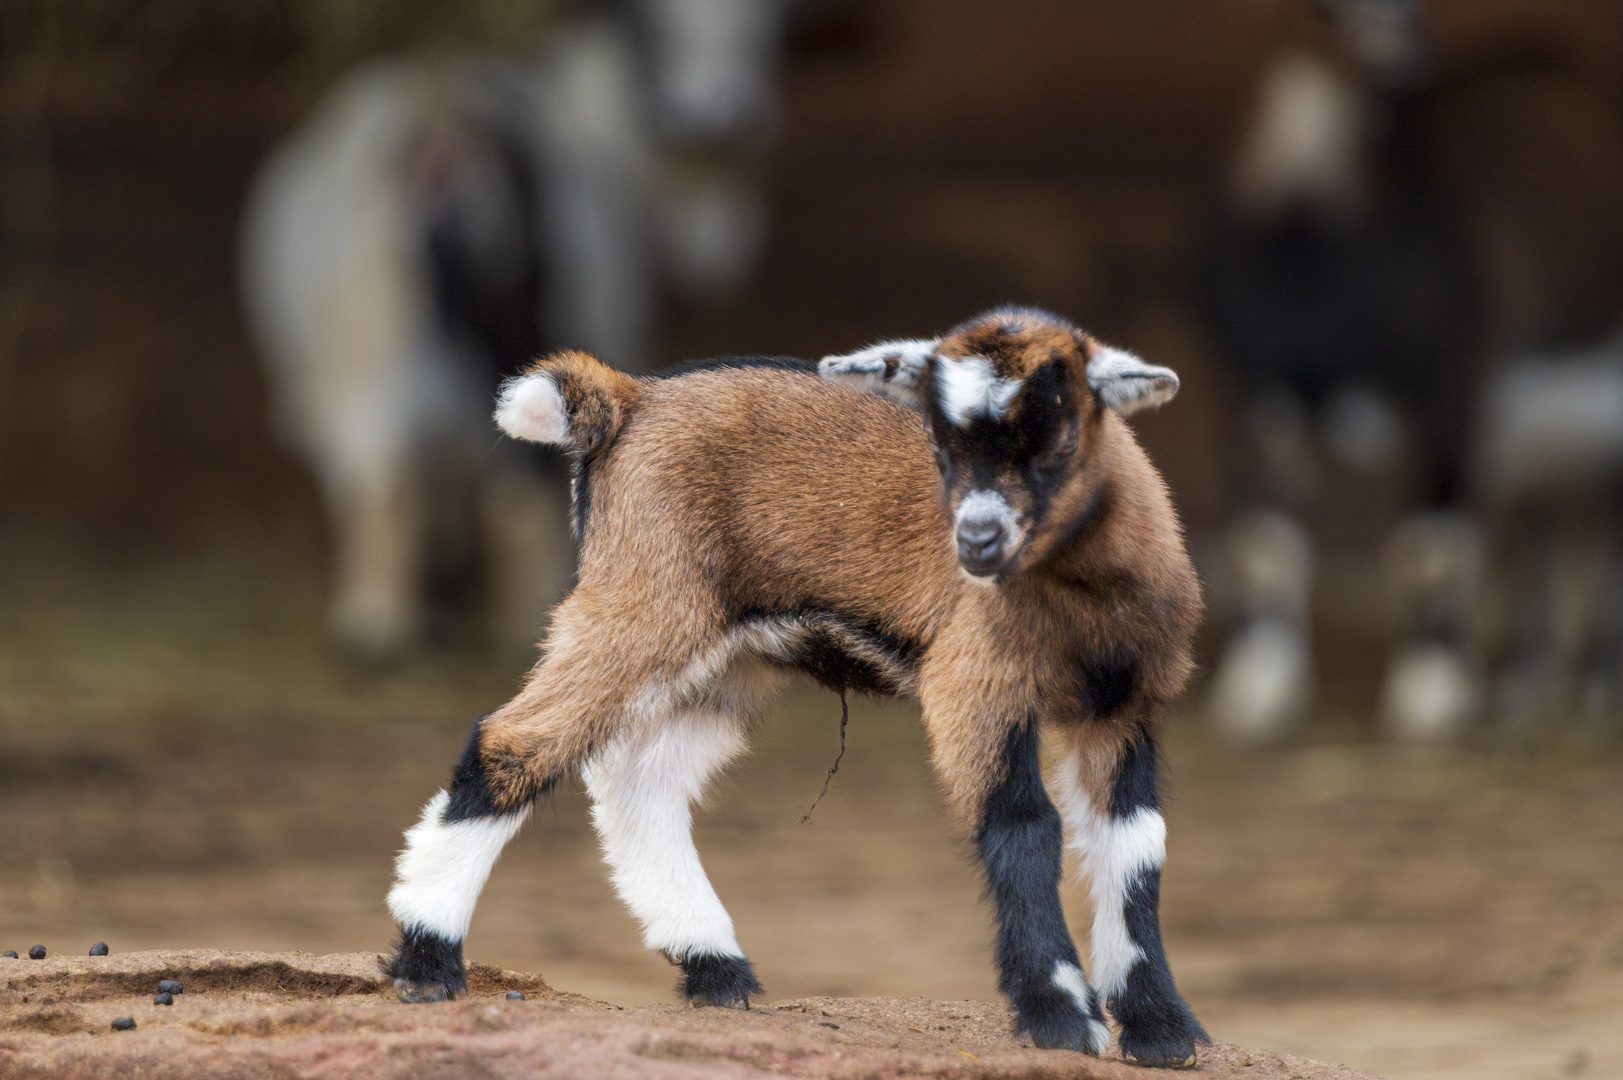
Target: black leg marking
{"points": [[708, 979], [470, 783], [1157, 1026], [1020, 842], [470, 795], [426, 967], [1136, 783]]}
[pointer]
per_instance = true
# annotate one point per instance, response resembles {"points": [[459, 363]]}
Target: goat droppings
{"points": [[515, 995], [10, 954], [99, 949], [165, 998], [37, 953], [171, 986], [124, 1023]]}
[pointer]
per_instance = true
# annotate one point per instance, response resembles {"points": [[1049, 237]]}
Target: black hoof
{"points": [[427, 967], [1163, 1056], [1055, 1023], [726, 981], [1158, 1030]]}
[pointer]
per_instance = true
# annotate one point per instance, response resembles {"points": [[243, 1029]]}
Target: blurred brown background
{"points": [[185, 761]]}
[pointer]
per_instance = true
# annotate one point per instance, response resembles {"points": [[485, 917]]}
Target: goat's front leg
{"points": [[1107, 786], [994, 778], [643, 785]]}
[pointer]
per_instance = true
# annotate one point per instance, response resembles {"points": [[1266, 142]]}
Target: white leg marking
{"points": [[443, 867], [531, 408], [643, 785], [970, 386], [1069, 978], [1114, 853]]}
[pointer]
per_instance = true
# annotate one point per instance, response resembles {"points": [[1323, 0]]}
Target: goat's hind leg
{"points": [[643, 785], [1113, 813], [448, 856]]}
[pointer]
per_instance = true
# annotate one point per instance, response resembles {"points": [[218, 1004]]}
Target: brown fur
{"points": [[721, 492], [598, 397]]}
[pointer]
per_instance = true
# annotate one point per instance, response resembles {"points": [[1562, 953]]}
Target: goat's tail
{"points": [[569, 399]]}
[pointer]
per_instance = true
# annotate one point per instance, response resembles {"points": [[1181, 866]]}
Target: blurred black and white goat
{"points": [[435, 225], [1403, 226], [1549, 469]]}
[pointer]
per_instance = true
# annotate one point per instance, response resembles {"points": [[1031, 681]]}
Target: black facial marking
{"points": [[470, 794], [427, 961], [1019, 842], [989, 449], [1108, 680], [708, 979]]}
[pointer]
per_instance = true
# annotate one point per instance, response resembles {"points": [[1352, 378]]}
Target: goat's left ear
{"points": [[1127, 384], [895, 368]]}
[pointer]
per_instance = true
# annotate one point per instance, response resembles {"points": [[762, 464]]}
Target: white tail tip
{"points": [[531, 408]]}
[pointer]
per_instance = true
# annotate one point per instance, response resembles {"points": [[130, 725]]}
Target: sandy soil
{"points": [[280, 1014], [182, 765]]}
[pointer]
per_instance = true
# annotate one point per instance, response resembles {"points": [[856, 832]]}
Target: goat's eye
{"points": [[1063, 447]]}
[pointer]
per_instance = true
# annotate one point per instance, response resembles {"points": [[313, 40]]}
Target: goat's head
{"points": [[1013, 401]]}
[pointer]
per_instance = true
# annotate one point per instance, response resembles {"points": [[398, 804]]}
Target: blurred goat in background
{"points": [[437, 224], [1402, 226]]}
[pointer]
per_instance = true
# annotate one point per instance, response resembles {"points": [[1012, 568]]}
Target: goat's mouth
{"points": [[990, 560]]}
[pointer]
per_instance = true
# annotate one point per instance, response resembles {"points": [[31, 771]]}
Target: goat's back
{"points": [[765, 488]]}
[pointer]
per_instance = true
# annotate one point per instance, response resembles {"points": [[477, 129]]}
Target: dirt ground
{"points": [[182, 765], [244, 1015]]}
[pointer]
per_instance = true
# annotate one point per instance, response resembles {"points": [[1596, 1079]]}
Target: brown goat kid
{"points": [[744, 519]]}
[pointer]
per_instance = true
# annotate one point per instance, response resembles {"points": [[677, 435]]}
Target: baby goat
{"points": [[743, 519]]}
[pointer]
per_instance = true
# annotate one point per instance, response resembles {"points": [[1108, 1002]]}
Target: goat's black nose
{"points": [[979, 540]]}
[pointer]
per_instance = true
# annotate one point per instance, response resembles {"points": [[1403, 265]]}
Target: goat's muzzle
{"points": [[985, 533]]}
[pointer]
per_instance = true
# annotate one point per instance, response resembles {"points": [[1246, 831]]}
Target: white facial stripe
{"points": [[969, 387], [642, 786], [531, 408], [1068, 978], [439, 875], [1114, 853]]}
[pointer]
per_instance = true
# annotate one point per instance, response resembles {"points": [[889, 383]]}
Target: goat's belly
{"points": [[841, 652]]}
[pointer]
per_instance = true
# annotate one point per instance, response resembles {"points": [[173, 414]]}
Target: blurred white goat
{"points": [[436, 224]]}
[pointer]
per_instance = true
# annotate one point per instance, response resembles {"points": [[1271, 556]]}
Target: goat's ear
{"points": [[1127, 384], [892, 367]]}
